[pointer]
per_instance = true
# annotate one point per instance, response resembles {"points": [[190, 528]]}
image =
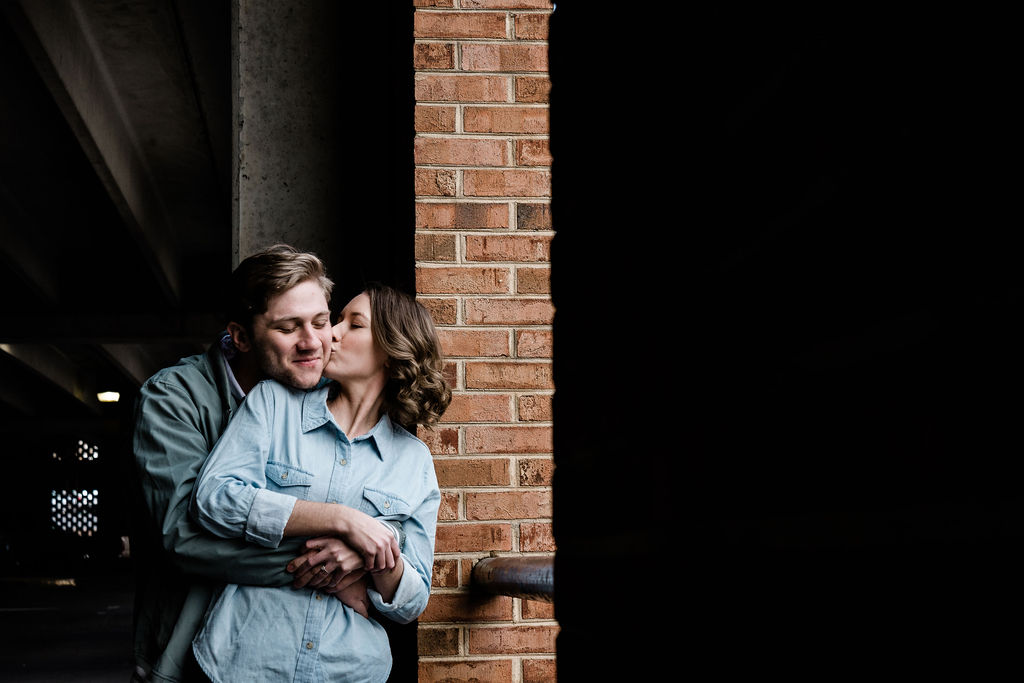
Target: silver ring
{"points": [[323, 568]]}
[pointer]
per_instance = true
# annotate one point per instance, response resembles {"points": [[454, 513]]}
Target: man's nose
{"points": [[308, 338]]}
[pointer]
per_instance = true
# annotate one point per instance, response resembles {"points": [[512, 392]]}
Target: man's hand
{"points": [[328, 561], [354, 595]]}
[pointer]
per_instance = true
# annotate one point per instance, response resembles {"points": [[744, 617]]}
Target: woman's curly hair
{"points": [[416, 392]]}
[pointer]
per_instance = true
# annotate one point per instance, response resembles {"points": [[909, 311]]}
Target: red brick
{"points": [[442, 311], [507, 4], [508, 505], [512, 639], [433, 3], [530, 216], [508, 439], [533, 153], [478, 408], [532, 89], [533, 26], [474, 343], [432, 182], [505, 57], [445, 574], [472, 472], [461, 215], [537, 670], [449, 510], [472, 670], [466, 566], [535, 609], [528, 248], [460, 25], [467, 607], [433, 56], [450, 88], [535, 471], [510, 375], [468, 538], [536, 537], [509, 311], [436, 247], [507, 183], [434, 119], [533, 344], [441, 441], [433, 641], [535, 407], [450, 371], [533, 280], [460, 151], [462, 280], [511, 119]]}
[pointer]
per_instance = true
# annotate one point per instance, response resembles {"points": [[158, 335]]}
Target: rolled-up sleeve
{"points": [[413, 589], [230, 498]]}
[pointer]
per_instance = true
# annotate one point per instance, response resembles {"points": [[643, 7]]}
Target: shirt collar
{"points": [[227, 350], [315, 413]]}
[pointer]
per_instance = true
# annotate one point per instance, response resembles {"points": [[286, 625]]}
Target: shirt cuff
{"points": [[267, 518], [409, 587], [393, 530]]}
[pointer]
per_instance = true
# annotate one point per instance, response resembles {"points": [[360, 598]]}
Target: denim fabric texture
{"points": [[283, 444]]}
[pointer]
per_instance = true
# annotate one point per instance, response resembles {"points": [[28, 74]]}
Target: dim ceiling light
{"points": [[108, 396]]}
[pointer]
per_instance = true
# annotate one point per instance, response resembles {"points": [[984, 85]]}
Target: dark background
{"points": [[788, 295]]}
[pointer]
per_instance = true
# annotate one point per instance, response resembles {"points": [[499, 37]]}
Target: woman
{"points": [[332, 461]]}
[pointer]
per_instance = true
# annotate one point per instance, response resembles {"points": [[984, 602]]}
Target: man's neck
{"points": [[246, 370]]}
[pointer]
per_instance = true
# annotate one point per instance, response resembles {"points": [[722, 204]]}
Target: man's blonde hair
{"points": [[269, 273]]}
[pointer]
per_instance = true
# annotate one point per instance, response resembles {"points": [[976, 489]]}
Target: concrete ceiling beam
{"points": [[56, 368], [58, 38]]}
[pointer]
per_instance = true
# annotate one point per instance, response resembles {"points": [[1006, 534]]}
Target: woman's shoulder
{"points": [[406, 441], [269, 394]]}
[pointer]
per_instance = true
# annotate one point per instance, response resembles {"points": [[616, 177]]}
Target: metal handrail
{"points": [[532, 578]]}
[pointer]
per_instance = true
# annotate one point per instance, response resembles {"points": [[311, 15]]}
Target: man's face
{"points": [[292, 339]]}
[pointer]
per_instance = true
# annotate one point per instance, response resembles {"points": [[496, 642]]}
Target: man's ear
{"points": [[240, 337]]}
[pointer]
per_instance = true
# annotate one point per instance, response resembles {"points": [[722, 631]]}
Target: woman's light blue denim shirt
{"points": [[282, 445]]}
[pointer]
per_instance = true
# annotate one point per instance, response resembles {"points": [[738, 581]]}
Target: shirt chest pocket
{"points": [[384, 504], [288, 479]]}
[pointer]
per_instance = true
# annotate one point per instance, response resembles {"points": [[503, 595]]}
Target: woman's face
{"points": [[354, 355]]}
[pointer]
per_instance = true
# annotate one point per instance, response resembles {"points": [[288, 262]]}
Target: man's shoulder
{"points": [[188, 373]]}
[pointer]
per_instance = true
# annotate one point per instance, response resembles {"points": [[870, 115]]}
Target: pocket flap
{"points": [[387, 504], [286, 475]]}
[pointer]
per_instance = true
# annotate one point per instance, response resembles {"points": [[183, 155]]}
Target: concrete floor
{"points": [[51, 630]]}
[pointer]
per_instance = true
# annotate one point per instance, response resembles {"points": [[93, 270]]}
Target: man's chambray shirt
{"points": [[284, 444]]}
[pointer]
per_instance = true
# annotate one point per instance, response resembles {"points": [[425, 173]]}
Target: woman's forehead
{"points": [[359, 305]]}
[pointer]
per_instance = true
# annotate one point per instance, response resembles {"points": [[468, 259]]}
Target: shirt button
{"points": [[387, 504], [319, 597], [344, 461], [309, 646], [284, 475]]}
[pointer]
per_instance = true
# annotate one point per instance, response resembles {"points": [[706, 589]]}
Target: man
{"points": [[279, 327]]}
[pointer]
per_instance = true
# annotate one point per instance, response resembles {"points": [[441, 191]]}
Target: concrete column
{"points": [[285, 80]]}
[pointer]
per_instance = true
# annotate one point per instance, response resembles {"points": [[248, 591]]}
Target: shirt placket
{"points": [[316, 611], [341, 471], [309, 649]]}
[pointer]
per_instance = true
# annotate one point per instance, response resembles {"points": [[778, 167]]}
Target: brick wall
{"points": [[483, 237]]}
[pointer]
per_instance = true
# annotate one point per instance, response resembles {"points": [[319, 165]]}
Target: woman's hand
{"points": [[371, 538], [328, 563]]}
